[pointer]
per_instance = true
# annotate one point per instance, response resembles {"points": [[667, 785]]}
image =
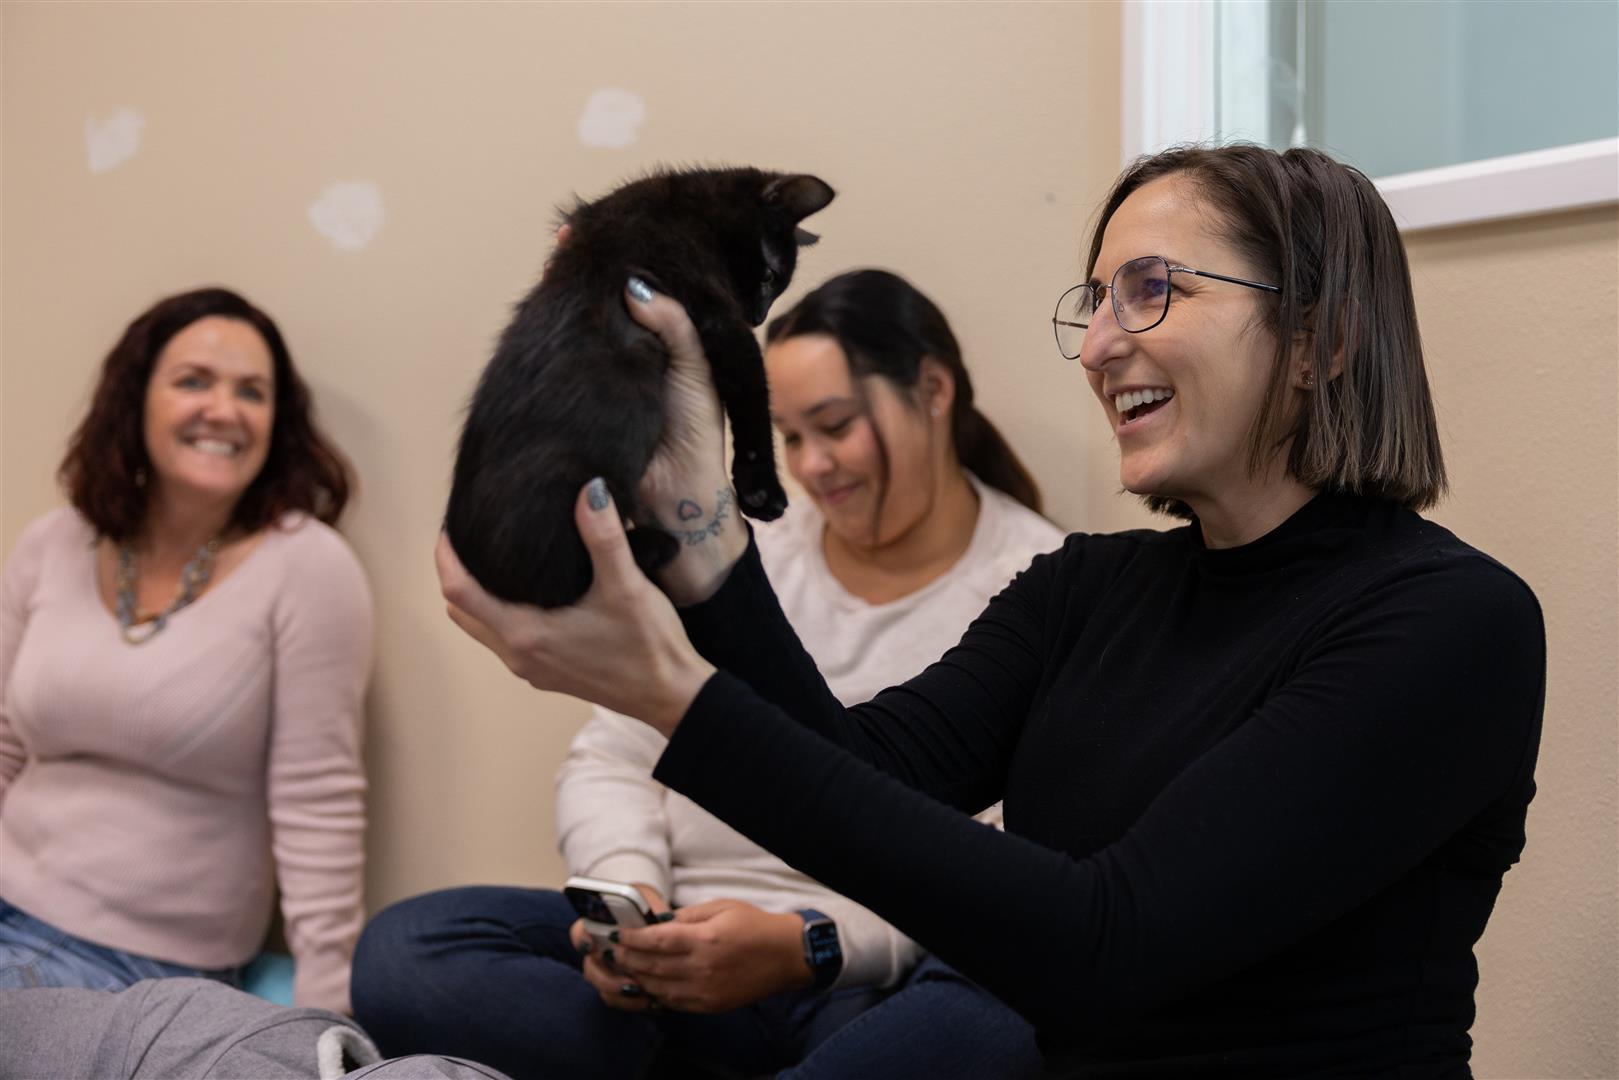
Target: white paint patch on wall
{"points": [[611, 119], [110, 142], [348, 214]]}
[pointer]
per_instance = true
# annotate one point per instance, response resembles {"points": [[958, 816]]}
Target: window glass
{"points": [[1396, 86]]}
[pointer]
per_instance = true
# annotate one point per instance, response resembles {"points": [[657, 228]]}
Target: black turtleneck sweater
{"points": [[1258, 800]]}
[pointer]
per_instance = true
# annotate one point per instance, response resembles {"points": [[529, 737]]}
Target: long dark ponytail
{"points": [[886, 327]]}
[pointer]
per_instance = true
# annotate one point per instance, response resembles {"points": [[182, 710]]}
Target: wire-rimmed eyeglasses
{"points": [[1140, 293]]}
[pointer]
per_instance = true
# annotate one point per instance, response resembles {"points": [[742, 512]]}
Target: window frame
{"points": [[1171, 94]]}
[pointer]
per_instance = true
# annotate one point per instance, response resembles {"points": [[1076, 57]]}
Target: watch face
{"points": [[822, 939]]}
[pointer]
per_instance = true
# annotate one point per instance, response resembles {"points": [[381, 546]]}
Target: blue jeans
{"points": [[34, 953], [488, 973]]}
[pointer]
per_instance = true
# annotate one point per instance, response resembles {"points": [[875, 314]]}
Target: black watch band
{"points": [[822, 950]]}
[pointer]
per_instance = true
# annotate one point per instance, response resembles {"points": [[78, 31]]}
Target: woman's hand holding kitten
{"points": [[686, 484], [620, 646]]}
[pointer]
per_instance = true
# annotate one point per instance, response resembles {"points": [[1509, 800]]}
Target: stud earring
{"points": [[935, 412], [1309, 380]]}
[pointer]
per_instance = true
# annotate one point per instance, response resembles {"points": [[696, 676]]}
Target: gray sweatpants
{"points": [[192, 1029]]}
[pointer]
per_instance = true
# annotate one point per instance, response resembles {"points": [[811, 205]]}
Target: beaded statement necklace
{"points": [[193, 579]]}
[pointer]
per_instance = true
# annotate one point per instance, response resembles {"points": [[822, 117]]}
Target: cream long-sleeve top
{"points": [[616, 822], [153, 796]]}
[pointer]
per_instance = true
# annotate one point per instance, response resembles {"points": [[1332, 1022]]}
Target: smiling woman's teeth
{"points": [[1127, 401], [214, 446]]}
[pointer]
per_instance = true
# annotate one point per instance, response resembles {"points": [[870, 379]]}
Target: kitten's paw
{"points": [[764, 504], [652, 547], [758, 489]]}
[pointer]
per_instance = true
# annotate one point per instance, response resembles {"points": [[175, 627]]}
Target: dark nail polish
{"points": [[596, 494], [585, 947], [612, 935], [630, 990], [607, 956], [664, 916]]}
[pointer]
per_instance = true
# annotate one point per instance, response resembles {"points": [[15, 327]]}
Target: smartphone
{"points": [[606, 906]]}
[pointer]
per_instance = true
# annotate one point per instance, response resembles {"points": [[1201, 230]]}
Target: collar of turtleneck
{"points": [[1329, 522]]}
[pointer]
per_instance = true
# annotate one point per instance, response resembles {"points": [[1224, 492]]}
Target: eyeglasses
{"points": [[1140, 292]]}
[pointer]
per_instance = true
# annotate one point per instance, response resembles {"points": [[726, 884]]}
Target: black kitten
{"points": [[576, 387]]}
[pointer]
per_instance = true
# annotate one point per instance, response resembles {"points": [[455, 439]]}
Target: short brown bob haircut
{"points": [[1320, 230], [103, 472]]}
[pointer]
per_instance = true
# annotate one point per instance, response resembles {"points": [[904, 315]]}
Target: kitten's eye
{"points": [[770, 276]]}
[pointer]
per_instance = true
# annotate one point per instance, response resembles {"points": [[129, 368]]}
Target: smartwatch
{"points": [[822, 951]]}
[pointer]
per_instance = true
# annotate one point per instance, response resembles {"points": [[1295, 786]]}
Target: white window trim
{"points": [[1538, 182], [1171, 93], [1168, 74]]}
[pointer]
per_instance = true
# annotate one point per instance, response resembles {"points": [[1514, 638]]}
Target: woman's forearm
{"points": [[706, 522]]}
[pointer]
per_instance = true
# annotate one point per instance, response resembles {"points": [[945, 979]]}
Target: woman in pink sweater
{"points": [[183, 658]]}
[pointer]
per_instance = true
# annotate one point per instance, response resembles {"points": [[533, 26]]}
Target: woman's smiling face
{"points": [[209, 408], [1201, 373], [831, 444]]}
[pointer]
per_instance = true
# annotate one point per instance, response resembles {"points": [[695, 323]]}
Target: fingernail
{"points": [[607, 956], [640, 290], [596, 494], [584, 949], [630, 990], [613, 936], [664, 916]]}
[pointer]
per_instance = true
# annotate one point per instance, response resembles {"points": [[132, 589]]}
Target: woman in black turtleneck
{"points": [[1262, 773]]}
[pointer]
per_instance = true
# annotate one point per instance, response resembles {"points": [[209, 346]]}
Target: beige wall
{"points": [[969, 144]]}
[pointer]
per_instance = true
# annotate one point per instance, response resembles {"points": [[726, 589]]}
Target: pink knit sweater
{"points": [[152, 797]]}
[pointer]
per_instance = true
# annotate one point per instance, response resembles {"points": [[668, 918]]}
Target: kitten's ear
{"points": [[804, 238], [799, 195]]}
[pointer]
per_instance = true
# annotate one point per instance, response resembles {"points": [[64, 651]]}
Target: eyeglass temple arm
{"points": [[1223, 277]]}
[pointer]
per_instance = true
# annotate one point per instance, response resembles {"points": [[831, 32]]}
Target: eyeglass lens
{"points": [[1140, 295], [1074, 311]]}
